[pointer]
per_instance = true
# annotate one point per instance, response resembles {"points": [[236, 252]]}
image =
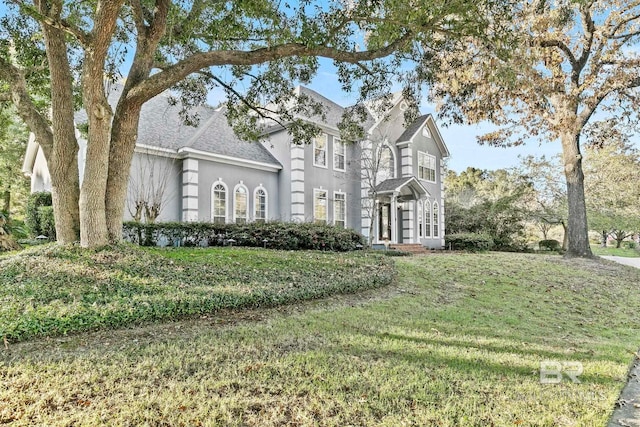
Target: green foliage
{"points": [[469, 242], [32, 217], [14, 186], [46, 221], [52, 290], [278, 235], [549, 244], [500, 219]]}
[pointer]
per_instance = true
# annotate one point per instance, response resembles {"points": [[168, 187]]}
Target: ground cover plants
{"points": [[50, 290], [455, 340]]}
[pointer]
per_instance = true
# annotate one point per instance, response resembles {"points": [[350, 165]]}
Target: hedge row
{"points": [[273, 235], [469, 242]]}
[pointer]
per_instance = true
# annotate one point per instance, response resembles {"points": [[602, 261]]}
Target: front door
{"points": [[384, 222]]}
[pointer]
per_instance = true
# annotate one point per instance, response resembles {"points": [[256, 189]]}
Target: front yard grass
{"points": [[49, 291], [457, 340], [613, 251]]}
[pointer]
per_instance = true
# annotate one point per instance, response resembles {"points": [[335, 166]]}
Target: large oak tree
{"points": [[256, 50], [572, 58]]}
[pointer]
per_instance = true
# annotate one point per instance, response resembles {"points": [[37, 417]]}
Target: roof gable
{"points": [[425, 120]]}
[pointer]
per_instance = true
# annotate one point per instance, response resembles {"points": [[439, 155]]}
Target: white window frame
{"points": [[427, 219], [326, 150], [213, 201], [235, 203], [431, 159], [316, 191], [392, 160], [256, 205], [335, 208], [436, 220], [337, 142]]}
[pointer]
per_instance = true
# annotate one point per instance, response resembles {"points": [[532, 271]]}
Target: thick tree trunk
{"points": [[62, 159], [123, 142], [577, 228], [93, 223], [565, 236]]}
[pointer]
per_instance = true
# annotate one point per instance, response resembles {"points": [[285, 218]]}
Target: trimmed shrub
{"points": [[630, 245], [47, 222], [549, 244], [32, 217], [469, 242], [273, 235]]}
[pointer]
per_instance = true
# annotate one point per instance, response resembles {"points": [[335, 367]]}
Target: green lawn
{"points": [[613, 251], [50, 290], [456, 340]]}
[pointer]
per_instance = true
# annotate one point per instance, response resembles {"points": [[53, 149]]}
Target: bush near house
{"points": [[469, 242], [34, 219], [272, 235]]}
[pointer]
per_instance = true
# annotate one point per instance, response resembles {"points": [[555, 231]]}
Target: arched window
{"points": [[420, 217], [219, 203], [386, 164], [260, 205], [240, 204], [436, 219], [427, 218]]}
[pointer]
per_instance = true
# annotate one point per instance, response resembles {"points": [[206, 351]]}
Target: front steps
{"points": [[413, 248]]}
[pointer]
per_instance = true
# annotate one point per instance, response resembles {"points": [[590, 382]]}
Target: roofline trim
{"points": [[188, 152]]}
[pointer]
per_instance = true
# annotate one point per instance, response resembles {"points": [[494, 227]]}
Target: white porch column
{"points": [[297, 183], [189, 190], [394, 219]]}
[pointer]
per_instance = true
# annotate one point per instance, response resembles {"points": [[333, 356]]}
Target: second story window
{"points": [[320, 150], [426, 166], [339, 154]]}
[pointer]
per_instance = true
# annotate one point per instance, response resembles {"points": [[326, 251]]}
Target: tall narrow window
{"points": [[320, 206], [219, 203], [240, 211], [420, 216], [260, 205], [340, 209], [436, 220], [426, 166], [339, 152], [320, 150], [427, 219], [385, 164]]}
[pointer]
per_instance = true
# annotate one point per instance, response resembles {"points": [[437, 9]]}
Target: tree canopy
{"points": [[570, 60], [256, 50]]}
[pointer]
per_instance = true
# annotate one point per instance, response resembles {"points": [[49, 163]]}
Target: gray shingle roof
{"points": [[333, 111], [161, 126], [413, 128], [392, 184], [216, 136]]}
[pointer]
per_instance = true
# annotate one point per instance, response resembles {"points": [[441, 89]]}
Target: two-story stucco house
{"points": [[388, 186]]}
